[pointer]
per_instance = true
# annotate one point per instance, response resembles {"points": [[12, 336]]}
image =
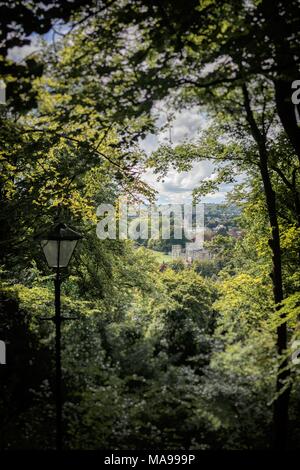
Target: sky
{"points": [[175, 187]]}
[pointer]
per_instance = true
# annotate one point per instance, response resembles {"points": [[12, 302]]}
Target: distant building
{"points": [[176, 251], [190, 253], [189, 250], [220, 229], [202, 255], [234, 232]]}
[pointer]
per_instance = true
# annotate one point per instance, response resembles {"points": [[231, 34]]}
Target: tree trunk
{"points": [[280, 414], [281, 404], [280, 31]]}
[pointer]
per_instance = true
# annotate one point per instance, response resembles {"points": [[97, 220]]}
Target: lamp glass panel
{"points": [[66, 250], [50, 248]]}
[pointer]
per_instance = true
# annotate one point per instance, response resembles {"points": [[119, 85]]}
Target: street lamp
{"points": [[58, 246]]}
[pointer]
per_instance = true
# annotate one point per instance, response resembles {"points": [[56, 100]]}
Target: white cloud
{"points": [[177, 187], [17, 54], [185, 125]]}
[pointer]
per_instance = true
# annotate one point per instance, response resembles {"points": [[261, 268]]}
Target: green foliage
{"points": [[164, 357]]}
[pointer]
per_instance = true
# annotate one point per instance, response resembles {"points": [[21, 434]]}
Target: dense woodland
{"points": [[185, 357]]}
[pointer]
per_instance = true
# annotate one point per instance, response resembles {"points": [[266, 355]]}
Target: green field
{"points": [[161, 257]]}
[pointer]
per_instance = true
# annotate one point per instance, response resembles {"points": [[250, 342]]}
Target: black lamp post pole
{"points": [[57, 319], [58, 246]]}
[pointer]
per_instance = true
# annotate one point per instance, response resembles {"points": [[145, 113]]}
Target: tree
{"points": [[20, 24], [208, 50], [172, 44], [141, 330], [263, 159]]}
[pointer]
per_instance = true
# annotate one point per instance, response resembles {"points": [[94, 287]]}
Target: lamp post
{"points": [[58, 246]]}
